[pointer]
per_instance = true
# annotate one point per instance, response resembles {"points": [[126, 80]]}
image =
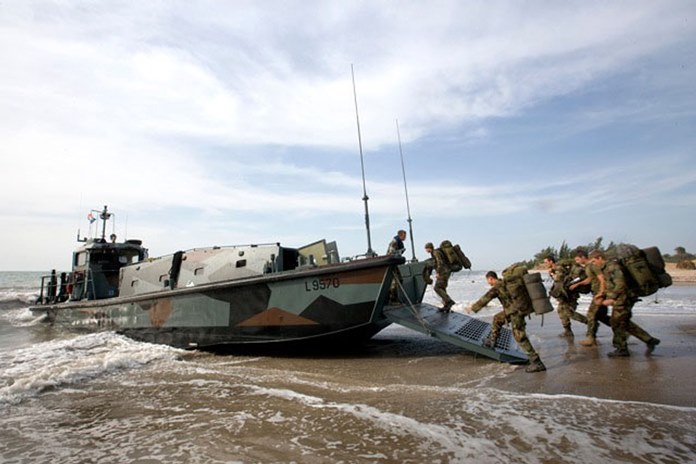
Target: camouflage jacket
{"points": [[593, 273], [396, 247], [441, 264], [615, 282], [565, 272], [496, 291]]}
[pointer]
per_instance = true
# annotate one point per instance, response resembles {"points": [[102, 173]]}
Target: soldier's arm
{"points": [[440, 265], [558, 275], [602, 284], [585, 281], [484, 300]]}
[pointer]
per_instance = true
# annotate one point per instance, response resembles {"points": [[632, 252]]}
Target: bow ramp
{"points": [[457, 329]]}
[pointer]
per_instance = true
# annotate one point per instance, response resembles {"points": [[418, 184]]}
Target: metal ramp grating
{"points": [[478, 330], [474, 329], [457, 329], [505, 340]]}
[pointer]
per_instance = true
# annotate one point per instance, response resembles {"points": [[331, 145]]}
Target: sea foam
{"points": [[60, 363]]}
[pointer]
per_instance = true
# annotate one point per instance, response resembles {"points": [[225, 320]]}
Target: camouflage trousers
{"points": [[620, 320], [600, 313], [440, 288], [595, 314], [519, 331], [567, 311]]}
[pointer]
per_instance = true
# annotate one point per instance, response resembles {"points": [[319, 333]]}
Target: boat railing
{"points": [[54, 288], [64, 286]]}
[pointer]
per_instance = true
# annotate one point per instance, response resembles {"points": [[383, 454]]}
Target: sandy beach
{"points": [[666, 376], [681, 276]]}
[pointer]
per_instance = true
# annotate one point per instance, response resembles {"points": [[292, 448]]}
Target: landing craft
{"points": [[247, 294]]}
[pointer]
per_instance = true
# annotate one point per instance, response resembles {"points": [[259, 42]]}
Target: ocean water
{"points": [[402, 397]]}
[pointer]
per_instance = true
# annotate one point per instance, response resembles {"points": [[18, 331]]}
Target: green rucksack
{"points": [[456, 259], [643, 276], [513, 281]]}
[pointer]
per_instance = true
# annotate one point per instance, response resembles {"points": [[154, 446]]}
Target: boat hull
{"points": [[335, 302]]}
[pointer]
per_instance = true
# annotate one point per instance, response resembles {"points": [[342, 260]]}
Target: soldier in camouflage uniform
{"points": [[396, 247], [442, 276], [598, 312], [514, 311], [567, 299], [619, 297], [439, 263]]}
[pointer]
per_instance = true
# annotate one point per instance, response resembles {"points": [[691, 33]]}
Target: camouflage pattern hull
{"points": [[339, 301]]}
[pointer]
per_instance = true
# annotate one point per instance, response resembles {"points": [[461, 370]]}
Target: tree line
{"points": [[566, 251]]}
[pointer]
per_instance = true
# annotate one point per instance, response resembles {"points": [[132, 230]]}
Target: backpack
{"points": [[643, 276], [455, 257], [513, 282], [526, 290], [537, 293]]}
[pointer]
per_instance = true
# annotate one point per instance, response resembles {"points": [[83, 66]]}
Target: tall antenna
{"points": [[408, 206], [369, 251]]}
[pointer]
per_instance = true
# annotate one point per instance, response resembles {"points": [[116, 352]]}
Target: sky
{"points": [[523, 124]]}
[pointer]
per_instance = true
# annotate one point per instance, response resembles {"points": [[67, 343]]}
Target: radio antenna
{"points": [[408, 206], [369, 252]]}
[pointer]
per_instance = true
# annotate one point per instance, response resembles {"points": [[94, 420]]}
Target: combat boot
{"points": [[652, 343], [567, 332], [589, 341], [535, 366], [619, 353], [489, 342]]}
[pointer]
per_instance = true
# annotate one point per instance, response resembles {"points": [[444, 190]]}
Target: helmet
{"points": [[429, 245]]}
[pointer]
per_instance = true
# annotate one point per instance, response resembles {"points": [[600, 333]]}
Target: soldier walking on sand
{"points": [[620, 298], [567, 299], [598, 312], [515, 309], [442, 276]]}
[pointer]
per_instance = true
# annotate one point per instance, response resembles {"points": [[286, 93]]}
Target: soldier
{"points": [[567, 299], [396, 246], [598, 312], [442, 276], [620, 298], [515, 308]]}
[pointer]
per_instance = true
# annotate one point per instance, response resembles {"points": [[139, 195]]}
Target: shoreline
{"points": [[681, 276]]}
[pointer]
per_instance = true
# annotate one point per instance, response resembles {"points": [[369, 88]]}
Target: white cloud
{"points": [[133, 102]]}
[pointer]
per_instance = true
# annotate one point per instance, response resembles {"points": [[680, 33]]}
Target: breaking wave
{"points": [[29, 371]]}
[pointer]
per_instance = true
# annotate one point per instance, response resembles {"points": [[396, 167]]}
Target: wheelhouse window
{"points": [[80, 258]]}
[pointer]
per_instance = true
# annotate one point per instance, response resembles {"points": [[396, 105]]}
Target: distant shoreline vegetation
{"points": [[681, 257]]}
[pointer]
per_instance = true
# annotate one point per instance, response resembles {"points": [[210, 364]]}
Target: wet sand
{"points": [[667, 376]]}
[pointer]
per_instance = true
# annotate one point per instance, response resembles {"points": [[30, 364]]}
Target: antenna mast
{"points": [[408, 206], [369, 252]]}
